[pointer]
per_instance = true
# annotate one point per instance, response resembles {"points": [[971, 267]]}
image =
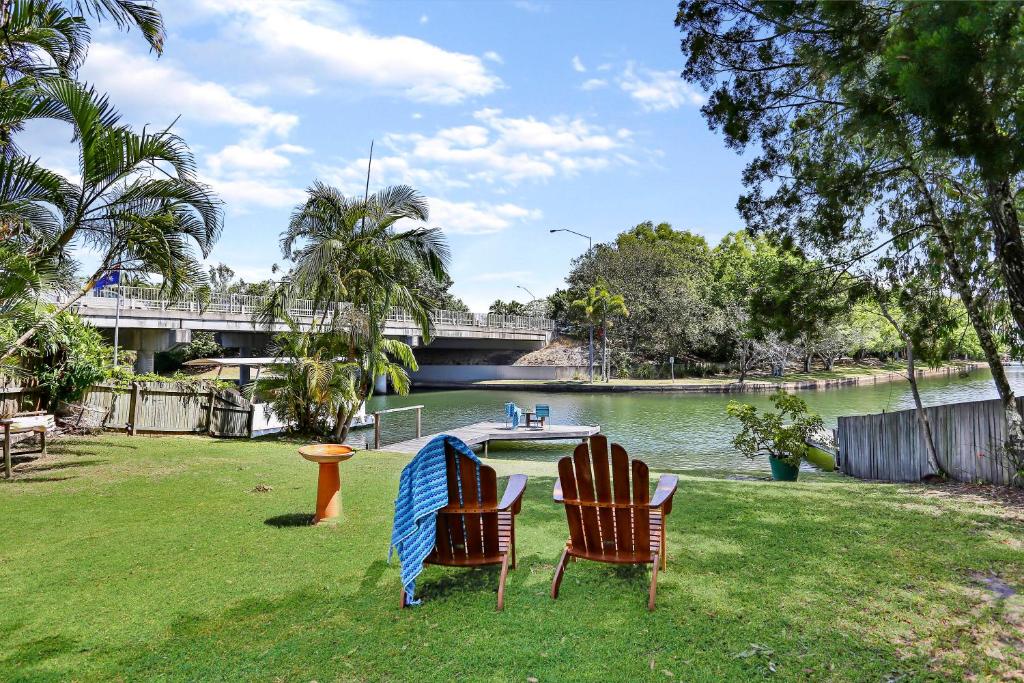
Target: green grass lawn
{"points": [[157, 558]]}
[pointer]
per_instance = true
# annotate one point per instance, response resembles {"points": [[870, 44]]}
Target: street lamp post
{"points": [[532, 297], [590, 248]]}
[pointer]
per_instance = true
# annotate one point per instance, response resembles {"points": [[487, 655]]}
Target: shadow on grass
{"points": [[18, 478], [46, 466], [292, 519]]}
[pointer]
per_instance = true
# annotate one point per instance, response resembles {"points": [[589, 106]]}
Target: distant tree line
{"points": [[747, 303]]}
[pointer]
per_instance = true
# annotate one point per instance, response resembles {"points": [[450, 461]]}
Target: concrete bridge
{"points": [[149, 322]]}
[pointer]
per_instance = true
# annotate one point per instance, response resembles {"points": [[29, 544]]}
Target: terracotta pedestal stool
{"points": [[328, 485]]}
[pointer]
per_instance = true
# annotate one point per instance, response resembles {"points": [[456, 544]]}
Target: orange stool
{"points": [[328, 485]]}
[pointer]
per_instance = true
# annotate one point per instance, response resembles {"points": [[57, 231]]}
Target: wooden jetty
{"points": [[482, 433]]}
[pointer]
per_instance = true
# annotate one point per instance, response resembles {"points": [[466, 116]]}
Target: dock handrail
{"points": [[376, 422]]}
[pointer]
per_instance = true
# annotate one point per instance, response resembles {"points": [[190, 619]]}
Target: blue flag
{"points": [[111, 277]]}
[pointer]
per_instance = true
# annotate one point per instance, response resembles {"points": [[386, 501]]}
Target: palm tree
{"points": [[309, 383], [138, 204], [596, 307], [349, 250], [41, 39]]}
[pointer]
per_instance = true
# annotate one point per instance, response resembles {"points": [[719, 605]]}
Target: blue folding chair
{"points": [[541, 413]]}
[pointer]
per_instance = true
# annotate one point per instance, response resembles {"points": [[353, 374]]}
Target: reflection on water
{"points": [[679, 431]]}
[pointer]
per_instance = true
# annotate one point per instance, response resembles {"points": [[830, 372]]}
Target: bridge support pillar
{"points": [[144, 361], [244, 371], [380, 385]]}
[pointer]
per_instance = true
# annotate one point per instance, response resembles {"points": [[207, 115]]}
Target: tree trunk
{"points": [[982, 325], [807, 363], [922, 416], [1009, 246], [604, 349]]}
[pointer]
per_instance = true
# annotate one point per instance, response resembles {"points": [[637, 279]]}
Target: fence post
{"points": [[252, 419], [376, 431], [209, 411], [133, 408], [419, 422]]}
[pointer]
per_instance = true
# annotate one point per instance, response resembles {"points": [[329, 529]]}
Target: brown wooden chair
{"points": [[611, 517], [479, 530]]}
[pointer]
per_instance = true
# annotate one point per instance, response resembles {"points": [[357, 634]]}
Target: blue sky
{"points": [[511, 117]]}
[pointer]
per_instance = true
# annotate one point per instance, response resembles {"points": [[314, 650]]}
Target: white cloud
{"points": [[320, 39], [501, 150], [477, 218], [658, 90], [593, 84], [242, 194], [577, 64], [424, 18], [493, 56], [250, 157], [149, 88]]}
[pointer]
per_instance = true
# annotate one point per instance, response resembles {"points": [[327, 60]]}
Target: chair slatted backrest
{"points": [[542, 410], [467, 527], [606, 507]]}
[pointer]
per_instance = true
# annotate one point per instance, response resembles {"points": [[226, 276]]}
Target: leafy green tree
{"points": [[880, 126], [349, 258], [666, 276], [66, 357]]}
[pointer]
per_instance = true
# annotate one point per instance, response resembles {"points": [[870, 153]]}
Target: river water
{"points": [[681, 431]]}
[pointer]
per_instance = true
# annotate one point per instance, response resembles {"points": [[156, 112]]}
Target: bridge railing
{"points": [[153, 298]]}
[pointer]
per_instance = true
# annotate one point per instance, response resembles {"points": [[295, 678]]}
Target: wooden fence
{"points": [[159, 407], [968, 440], [18, 396]]}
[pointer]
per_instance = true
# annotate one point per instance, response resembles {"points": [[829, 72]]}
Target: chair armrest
{"points": [[31, 413], [663, 494], [557, 493], [513, 495]]}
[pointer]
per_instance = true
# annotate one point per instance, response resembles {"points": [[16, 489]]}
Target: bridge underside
{"points": [[150, 331]]}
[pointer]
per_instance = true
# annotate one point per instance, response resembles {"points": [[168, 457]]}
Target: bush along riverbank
{"points": [[841, 377]]}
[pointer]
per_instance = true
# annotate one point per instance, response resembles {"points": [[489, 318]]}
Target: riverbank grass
{"points": [[860, 372], [185, 558]]}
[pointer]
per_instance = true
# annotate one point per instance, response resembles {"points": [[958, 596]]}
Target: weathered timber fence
{"points": [[159, 407], [18, 396], [968, 440]]}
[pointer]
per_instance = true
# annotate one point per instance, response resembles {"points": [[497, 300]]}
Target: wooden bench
{"points": [[39, 422]]}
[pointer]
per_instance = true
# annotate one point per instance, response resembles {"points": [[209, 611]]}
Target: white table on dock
{"points": [[482, 433]]}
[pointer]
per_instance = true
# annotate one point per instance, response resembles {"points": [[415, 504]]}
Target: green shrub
{"points": [[781, 434]]}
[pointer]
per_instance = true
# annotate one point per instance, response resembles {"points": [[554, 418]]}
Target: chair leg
{"points": [[559, 572], [654, 583], [664, 547], [513, 544], [42, 441], [403, 605], [501, 582]]}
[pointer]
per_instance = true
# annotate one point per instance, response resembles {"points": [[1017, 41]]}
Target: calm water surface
{"points": [[678, 431]]}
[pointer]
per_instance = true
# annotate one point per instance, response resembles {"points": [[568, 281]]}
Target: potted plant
{"points": [[781, 434]]}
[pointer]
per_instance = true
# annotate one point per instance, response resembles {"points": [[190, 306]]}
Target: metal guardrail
{"points": [[153, 298]]}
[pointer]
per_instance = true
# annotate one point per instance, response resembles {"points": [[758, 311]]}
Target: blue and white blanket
{"points": [[514, 414], [422, 491]]}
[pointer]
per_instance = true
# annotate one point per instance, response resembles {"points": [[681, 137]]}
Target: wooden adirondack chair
{"points": [[478, 530], [611, 517]]}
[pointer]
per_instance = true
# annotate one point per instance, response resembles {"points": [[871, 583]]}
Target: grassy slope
{"points": [[152, 557]]}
